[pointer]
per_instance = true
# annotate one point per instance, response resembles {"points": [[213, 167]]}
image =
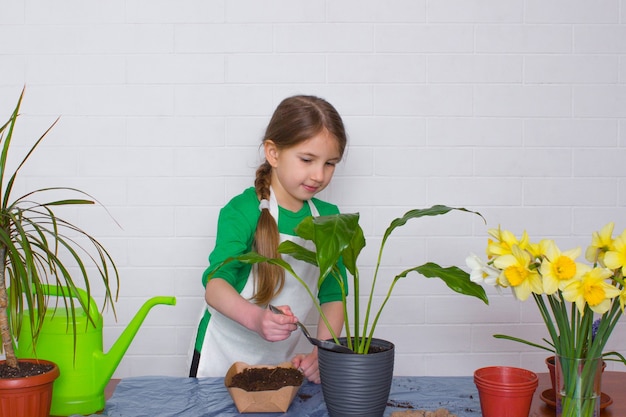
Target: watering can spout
{"points": [[108, 362]]}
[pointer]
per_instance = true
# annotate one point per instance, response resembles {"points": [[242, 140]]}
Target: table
{"points": [[207, 397]]}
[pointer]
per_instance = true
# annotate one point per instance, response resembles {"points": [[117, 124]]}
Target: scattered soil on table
{"points": [[441, 412], [266, 379], [25, 369], [399, 404]]}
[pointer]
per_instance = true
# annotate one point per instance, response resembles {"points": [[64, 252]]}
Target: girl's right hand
{"points": [[272, 327], [276, 327]]}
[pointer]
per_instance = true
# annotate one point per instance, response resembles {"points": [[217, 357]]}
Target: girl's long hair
{"points": [[295, 120]]}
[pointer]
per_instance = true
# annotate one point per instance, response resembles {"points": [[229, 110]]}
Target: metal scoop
{"points": [[324, 344]]}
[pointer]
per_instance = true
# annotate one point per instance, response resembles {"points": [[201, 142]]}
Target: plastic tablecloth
{"points": [[154, 396]]}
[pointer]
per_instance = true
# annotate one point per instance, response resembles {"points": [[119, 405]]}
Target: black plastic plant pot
{"points": [[355, 384]]}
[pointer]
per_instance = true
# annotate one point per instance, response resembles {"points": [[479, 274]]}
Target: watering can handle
{"points": [[85, 299]]}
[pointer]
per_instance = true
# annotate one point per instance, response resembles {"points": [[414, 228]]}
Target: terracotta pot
{"points": [[29, 396], [550, 365], [505, 391]]}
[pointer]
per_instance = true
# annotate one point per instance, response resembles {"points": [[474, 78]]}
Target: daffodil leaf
{"points": [[614, 357], [524, 341]]}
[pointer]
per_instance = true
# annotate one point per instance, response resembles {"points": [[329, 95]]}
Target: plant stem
{"points": [[5, 331]]}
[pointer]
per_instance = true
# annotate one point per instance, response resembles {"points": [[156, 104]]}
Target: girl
{"points": [[304, 141]]}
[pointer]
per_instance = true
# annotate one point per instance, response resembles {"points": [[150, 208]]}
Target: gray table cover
{"points": [[207, 397]]}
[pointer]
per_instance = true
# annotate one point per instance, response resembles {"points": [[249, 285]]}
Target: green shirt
{"points": [[236, 226]]}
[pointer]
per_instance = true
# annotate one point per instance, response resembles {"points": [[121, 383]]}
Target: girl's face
{"points": [[301, 171]]}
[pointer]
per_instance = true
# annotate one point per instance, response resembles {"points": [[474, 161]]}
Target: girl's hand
{"points": [[224, 298], [307, 364], [276, 327]]}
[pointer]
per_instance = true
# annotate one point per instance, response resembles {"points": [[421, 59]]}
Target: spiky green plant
{"points": [[38, 248]]}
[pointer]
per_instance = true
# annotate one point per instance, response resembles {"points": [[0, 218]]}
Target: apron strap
{"points": [[274, 206]]}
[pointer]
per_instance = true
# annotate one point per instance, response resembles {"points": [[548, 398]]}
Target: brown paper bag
{"points": [[274, 401]]}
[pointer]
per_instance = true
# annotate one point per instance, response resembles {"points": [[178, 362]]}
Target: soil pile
{"points": [[25, 369], [266, 379]]}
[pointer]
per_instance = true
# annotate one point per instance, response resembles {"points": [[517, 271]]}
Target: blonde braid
{"points": [[268, 279]]}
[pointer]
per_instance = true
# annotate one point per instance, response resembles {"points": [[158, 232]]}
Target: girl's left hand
{"points": [[307, 364]]}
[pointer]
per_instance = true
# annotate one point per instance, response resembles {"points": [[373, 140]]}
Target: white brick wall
{"points": [[514, 108]]}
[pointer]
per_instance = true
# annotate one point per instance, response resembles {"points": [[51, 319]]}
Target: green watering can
{"points": [[85, 374]]}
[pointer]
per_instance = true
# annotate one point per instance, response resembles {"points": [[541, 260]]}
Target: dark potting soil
{"points": [[266, 379], [26, 369], [376, 349]]}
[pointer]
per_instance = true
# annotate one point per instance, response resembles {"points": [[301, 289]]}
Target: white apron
{"points": [[226, 341]]}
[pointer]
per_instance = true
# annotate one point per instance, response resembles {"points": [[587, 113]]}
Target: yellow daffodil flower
{"points": [[481, 272], [592, 290], [517, 273], [558, 268], [601, 242], [616, 258], [503, 241], [538, 250]]}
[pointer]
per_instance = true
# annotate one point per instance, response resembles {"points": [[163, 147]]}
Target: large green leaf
{"points": [[306, 229], [300, 253], [329, 234], [351, 253], [435, 210], [253, 258], [454, 277], [333, 234]]}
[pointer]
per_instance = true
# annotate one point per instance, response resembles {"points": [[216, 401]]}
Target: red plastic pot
{"points": [[505, 391], [506, 376]]}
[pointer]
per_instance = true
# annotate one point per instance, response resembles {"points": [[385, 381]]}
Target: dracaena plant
{"points": [[39, 248], [340, 237]]}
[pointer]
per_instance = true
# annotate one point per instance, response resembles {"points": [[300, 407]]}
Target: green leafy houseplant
{"points": [[39, 248], [340, 237]]}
